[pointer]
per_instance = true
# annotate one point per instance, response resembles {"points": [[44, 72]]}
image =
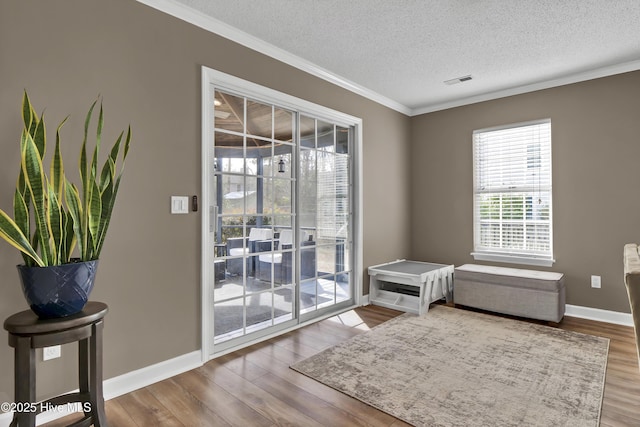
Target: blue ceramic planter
{"points": [[58, 290]]}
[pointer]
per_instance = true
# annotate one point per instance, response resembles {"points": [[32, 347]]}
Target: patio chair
{"points": [[282, 262], [236, 247]]}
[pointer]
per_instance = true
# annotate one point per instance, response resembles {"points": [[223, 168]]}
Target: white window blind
{"points": [[512, 193]]}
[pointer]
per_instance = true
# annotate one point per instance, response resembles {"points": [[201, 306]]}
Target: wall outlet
{"points": [[49, 353], [595, 282]]}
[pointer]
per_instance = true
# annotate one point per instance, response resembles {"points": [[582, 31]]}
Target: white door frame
{"points": [[235, 84]]}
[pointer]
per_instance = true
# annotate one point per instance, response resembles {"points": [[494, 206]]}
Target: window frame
{"points": [[513, 254]]}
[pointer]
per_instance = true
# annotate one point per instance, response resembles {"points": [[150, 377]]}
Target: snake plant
{"points": [[51, 215]]}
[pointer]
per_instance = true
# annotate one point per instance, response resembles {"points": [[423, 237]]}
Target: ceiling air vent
{"points": [[458, 80]]}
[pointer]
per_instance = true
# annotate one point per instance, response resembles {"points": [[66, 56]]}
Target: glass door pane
{"points": [[307, 212], [253, 197], [325, 216]]}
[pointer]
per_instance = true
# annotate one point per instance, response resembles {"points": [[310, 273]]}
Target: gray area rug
{"points": [[454, 367]]}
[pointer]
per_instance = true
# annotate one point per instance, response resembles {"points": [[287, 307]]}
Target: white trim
{"points": [[126, 383], [358, 217], [222, 29], [247, 88], [205, 203], [547, 84], [134, 380], [599, 315]]}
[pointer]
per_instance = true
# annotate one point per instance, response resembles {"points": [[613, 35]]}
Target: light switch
{"points": [[179, 204]]}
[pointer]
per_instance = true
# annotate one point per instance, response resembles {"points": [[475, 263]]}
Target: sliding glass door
{"points": [[278, 240]]}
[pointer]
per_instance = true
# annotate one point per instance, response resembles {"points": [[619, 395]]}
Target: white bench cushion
{"points": [[533, 279]]}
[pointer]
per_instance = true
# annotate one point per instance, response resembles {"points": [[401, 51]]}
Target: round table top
{"points": [[28, 323]]}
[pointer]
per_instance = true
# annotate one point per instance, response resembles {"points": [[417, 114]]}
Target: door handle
{"points": [[213, 219]]}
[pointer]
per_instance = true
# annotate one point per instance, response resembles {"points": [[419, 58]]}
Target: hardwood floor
{"points": [[621, 403], [255, 387]]}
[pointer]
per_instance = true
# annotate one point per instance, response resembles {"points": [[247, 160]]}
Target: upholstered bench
{"points": [[525, 293]]}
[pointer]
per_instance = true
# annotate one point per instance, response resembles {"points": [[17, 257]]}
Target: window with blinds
{"points": [[512, 193]]}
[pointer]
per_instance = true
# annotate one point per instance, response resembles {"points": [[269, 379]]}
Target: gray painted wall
{"points": [[417, 171], [596, 199], [146, 65]]}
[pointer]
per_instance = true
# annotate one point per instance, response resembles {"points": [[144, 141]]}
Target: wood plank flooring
{"points": [[255, 387]]}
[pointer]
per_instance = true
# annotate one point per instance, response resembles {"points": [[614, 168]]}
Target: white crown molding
{"points": [[192, 16], [573, 78]]}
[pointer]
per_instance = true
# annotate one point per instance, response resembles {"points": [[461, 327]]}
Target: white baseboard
{"points": [[600, 315], [126, 383]]}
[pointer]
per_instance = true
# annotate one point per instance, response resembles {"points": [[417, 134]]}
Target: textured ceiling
{"points": [[403, 50]]}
